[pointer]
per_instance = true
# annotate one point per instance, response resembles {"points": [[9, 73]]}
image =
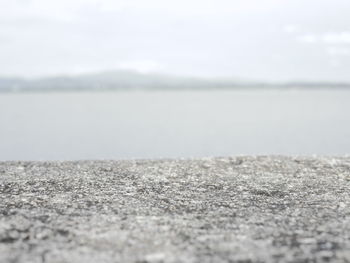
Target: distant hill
{"points": [[126, 80]]}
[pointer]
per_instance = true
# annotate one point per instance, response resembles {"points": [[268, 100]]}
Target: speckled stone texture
{"points": [[240, 209]]}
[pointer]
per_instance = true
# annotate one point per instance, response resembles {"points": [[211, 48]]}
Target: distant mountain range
{"points": [[126, 80]]}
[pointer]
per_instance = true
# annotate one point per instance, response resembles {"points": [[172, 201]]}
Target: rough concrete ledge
{"points": [[241, 209]]}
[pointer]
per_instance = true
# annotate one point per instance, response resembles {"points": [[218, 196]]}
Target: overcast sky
{"points": [[274, 40]]}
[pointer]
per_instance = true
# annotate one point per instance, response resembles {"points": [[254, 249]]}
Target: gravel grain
{"points": [[239, 209]]}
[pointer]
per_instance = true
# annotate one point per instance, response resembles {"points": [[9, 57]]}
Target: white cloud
{"points": [[336, 38], [192, 37], [37, 9], [68, 10], [335, 63], [308, 38], [338, 51], [141, 66], [290, 28]]}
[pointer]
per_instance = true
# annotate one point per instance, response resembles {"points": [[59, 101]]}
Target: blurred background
{"points": [[121, 79]]}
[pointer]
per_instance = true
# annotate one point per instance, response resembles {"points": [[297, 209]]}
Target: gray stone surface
{"points": [[242, 209]]}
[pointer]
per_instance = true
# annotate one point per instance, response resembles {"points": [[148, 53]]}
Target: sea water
{"points": [[171, 124]]}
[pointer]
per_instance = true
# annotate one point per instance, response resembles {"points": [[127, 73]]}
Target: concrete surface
{"points": [[242, 209]]}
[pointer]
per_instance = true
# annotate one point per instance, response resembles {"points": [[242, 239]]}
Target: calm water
{"points": [[136, 124]]}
